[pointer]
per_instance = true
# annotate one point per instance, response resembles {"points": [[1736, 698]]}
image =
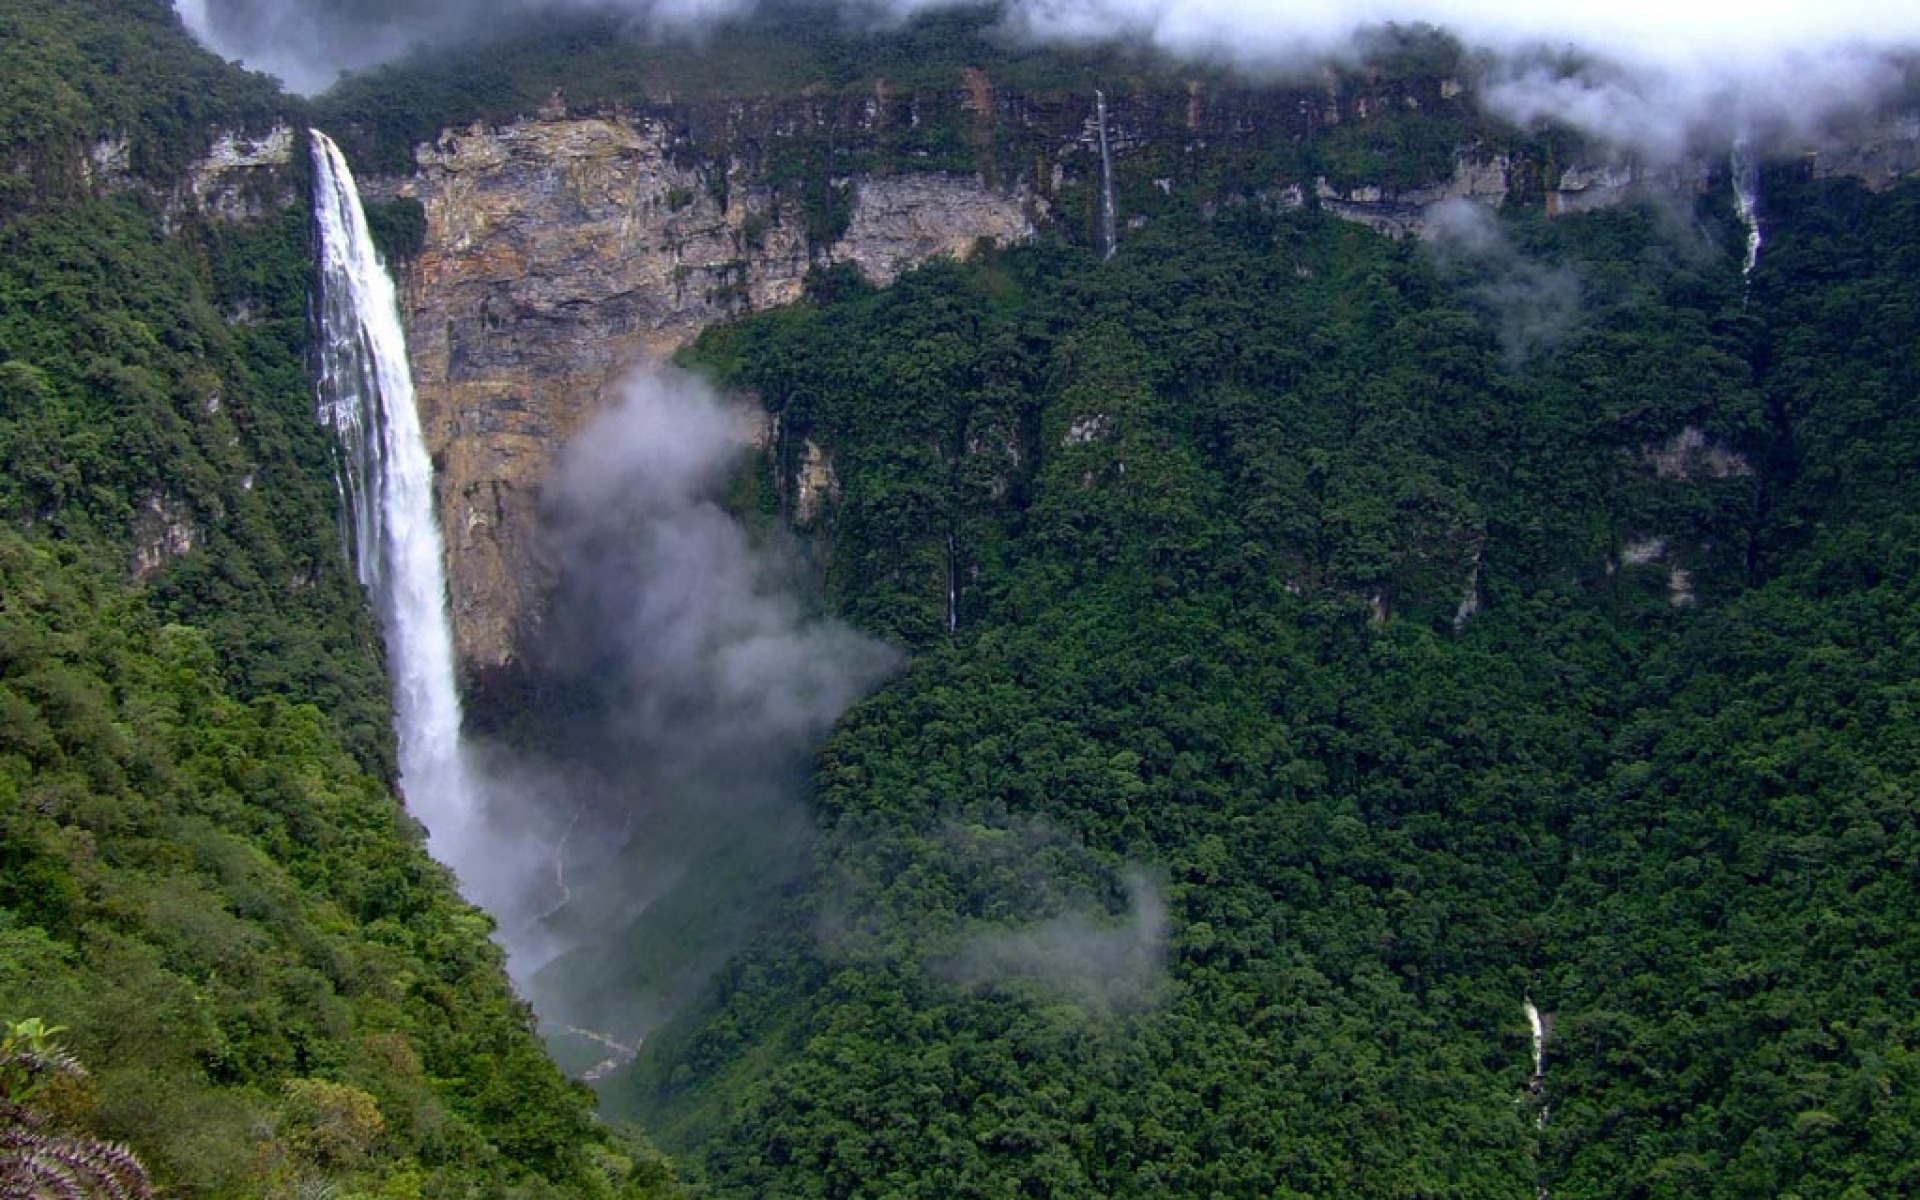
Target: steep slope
{"points": [[591, 198], [1222, 849], [205, 878]]}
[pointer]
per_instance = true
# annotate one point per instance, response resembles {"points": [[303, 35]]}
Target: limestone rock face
{"points": [[243, 176], [907, 219], [562, 252], [1477, 175]]}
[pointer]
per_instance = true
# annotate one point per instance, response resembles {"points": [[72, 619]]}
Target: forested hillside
{"points": [[1346, 656], [207, 885], [1326, 651]]}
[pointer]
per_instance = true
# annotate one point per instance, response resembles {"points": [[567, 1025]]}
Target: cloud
{"points": [[1652, 75], [695, 631], [686, 683], [1085, 954], [1533, 306], [996, 903]]}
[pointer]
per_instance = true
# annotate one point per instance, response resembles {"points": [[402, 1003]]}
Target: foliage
{"points": [[37, 1156], [1212, 509], [75, 74]]}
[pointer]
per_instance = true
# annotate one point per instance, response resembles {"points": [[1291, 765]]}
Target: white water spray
{"points": [[1539, 1040], [1744, 166], [1537, 1085], [1109, 219], [366, 397]]}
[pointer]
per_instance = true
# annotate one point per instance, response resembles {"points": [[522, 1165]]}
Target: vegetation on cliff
{"points": [[205, 877], [1336, 670], [1323, 648]]}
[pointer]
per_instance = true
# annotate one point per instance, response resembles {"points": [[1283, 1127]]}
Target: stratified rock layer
{"points": [[561, 252]]}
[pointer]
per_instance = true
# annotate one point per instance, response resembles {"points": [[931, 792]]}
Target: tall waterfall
{"points": [[1109, 220], [386, 477], [1744, 166]]}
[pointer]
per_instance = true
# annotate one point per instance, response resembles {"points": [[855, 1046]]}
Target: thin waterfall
{"points": [[386, 479], [953, 587], [1109, 219], [1744, 166], [1539, 1040], [1537, 1084]]}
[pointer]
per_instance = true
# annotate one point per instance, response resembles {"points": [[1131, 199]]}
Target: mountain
{"points": [[1405, 658], [207, 885]]}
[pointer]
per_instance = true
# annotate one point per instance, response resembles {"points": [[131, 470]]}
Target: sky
{"points": [[1675, 73]]}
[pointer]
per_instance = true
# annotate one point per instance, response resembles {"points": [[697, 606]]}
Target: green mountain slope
{"points": [[205, 877], [1212, 509]]}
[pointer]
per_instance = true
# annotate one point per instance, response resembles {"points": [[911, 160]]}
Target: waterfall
{"points": [[1537, 1084], [1744, 166], [1109, 220], [1539, 1040], [953, 588], [386, 480]]}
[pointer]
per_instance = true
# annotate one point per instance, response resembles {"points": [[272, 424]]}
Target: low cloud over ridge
{"points": [[1651, 75]]}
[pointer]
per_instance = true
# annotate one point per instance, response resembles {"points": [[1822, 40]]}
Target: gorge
{"points": [[1035, 618]]}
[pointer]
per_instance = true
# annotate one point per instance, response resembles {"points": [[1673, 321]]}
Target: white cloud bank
{"points": [[1656, 75]]}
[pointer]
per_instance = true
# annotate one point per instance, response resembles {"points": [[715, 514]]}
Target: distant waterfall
{"points": [[386, 478], [1744, 166], [1109, 219], [953, 588], [1537, 1084], [1539, 1040]]}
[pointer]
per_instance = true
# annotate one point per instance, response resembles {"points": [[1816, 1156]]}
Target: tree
{"points": [[39, 1156]]}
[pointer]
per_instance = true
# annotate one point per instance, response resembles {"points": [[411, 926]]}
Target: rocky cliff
{"points": [[559, 253], [563, 248]]}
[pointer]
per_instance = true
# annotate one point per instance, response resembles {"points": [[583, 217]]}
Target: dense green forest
{"points": [[1220, 847], [1323, 647], [207, 886]]}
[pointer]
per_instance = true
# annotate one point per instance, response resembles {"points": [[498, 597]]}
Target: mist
{"points": [[1531, 305], [1102, 961], [1658, 79], [662, 818]]}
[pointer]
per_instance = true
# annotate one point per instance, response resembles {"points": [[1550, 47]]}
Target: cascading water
{"points": [[386, 477], [1744, 166], [953, 588], [1539, 1040], [1109, 219], [1537, 1085]]}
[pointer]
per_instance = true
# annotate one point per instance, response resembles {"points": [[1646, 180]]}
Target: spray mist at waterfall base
{"points": [[654, 821], [685, 682]]}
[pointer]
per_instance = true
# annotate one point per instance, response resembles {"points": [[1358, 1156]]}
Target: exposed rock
{"points": [[816, 485], [1477, 175], [1094, 427], [1643, 552], [1880, 153], [109, 162], [1690, 455], [904, 220], [242, 177], [161, 533], [559, 253]]}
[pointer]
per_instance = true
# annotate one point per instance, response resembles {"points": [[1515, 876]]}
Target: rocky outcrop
{"points": [[1478, 175], [242, 177], [563, 249], [162, 531], [561, 252]]}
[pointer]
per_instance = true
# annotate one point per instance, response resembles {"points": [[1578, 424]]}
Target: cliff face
{"points": [[561, 250]]}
